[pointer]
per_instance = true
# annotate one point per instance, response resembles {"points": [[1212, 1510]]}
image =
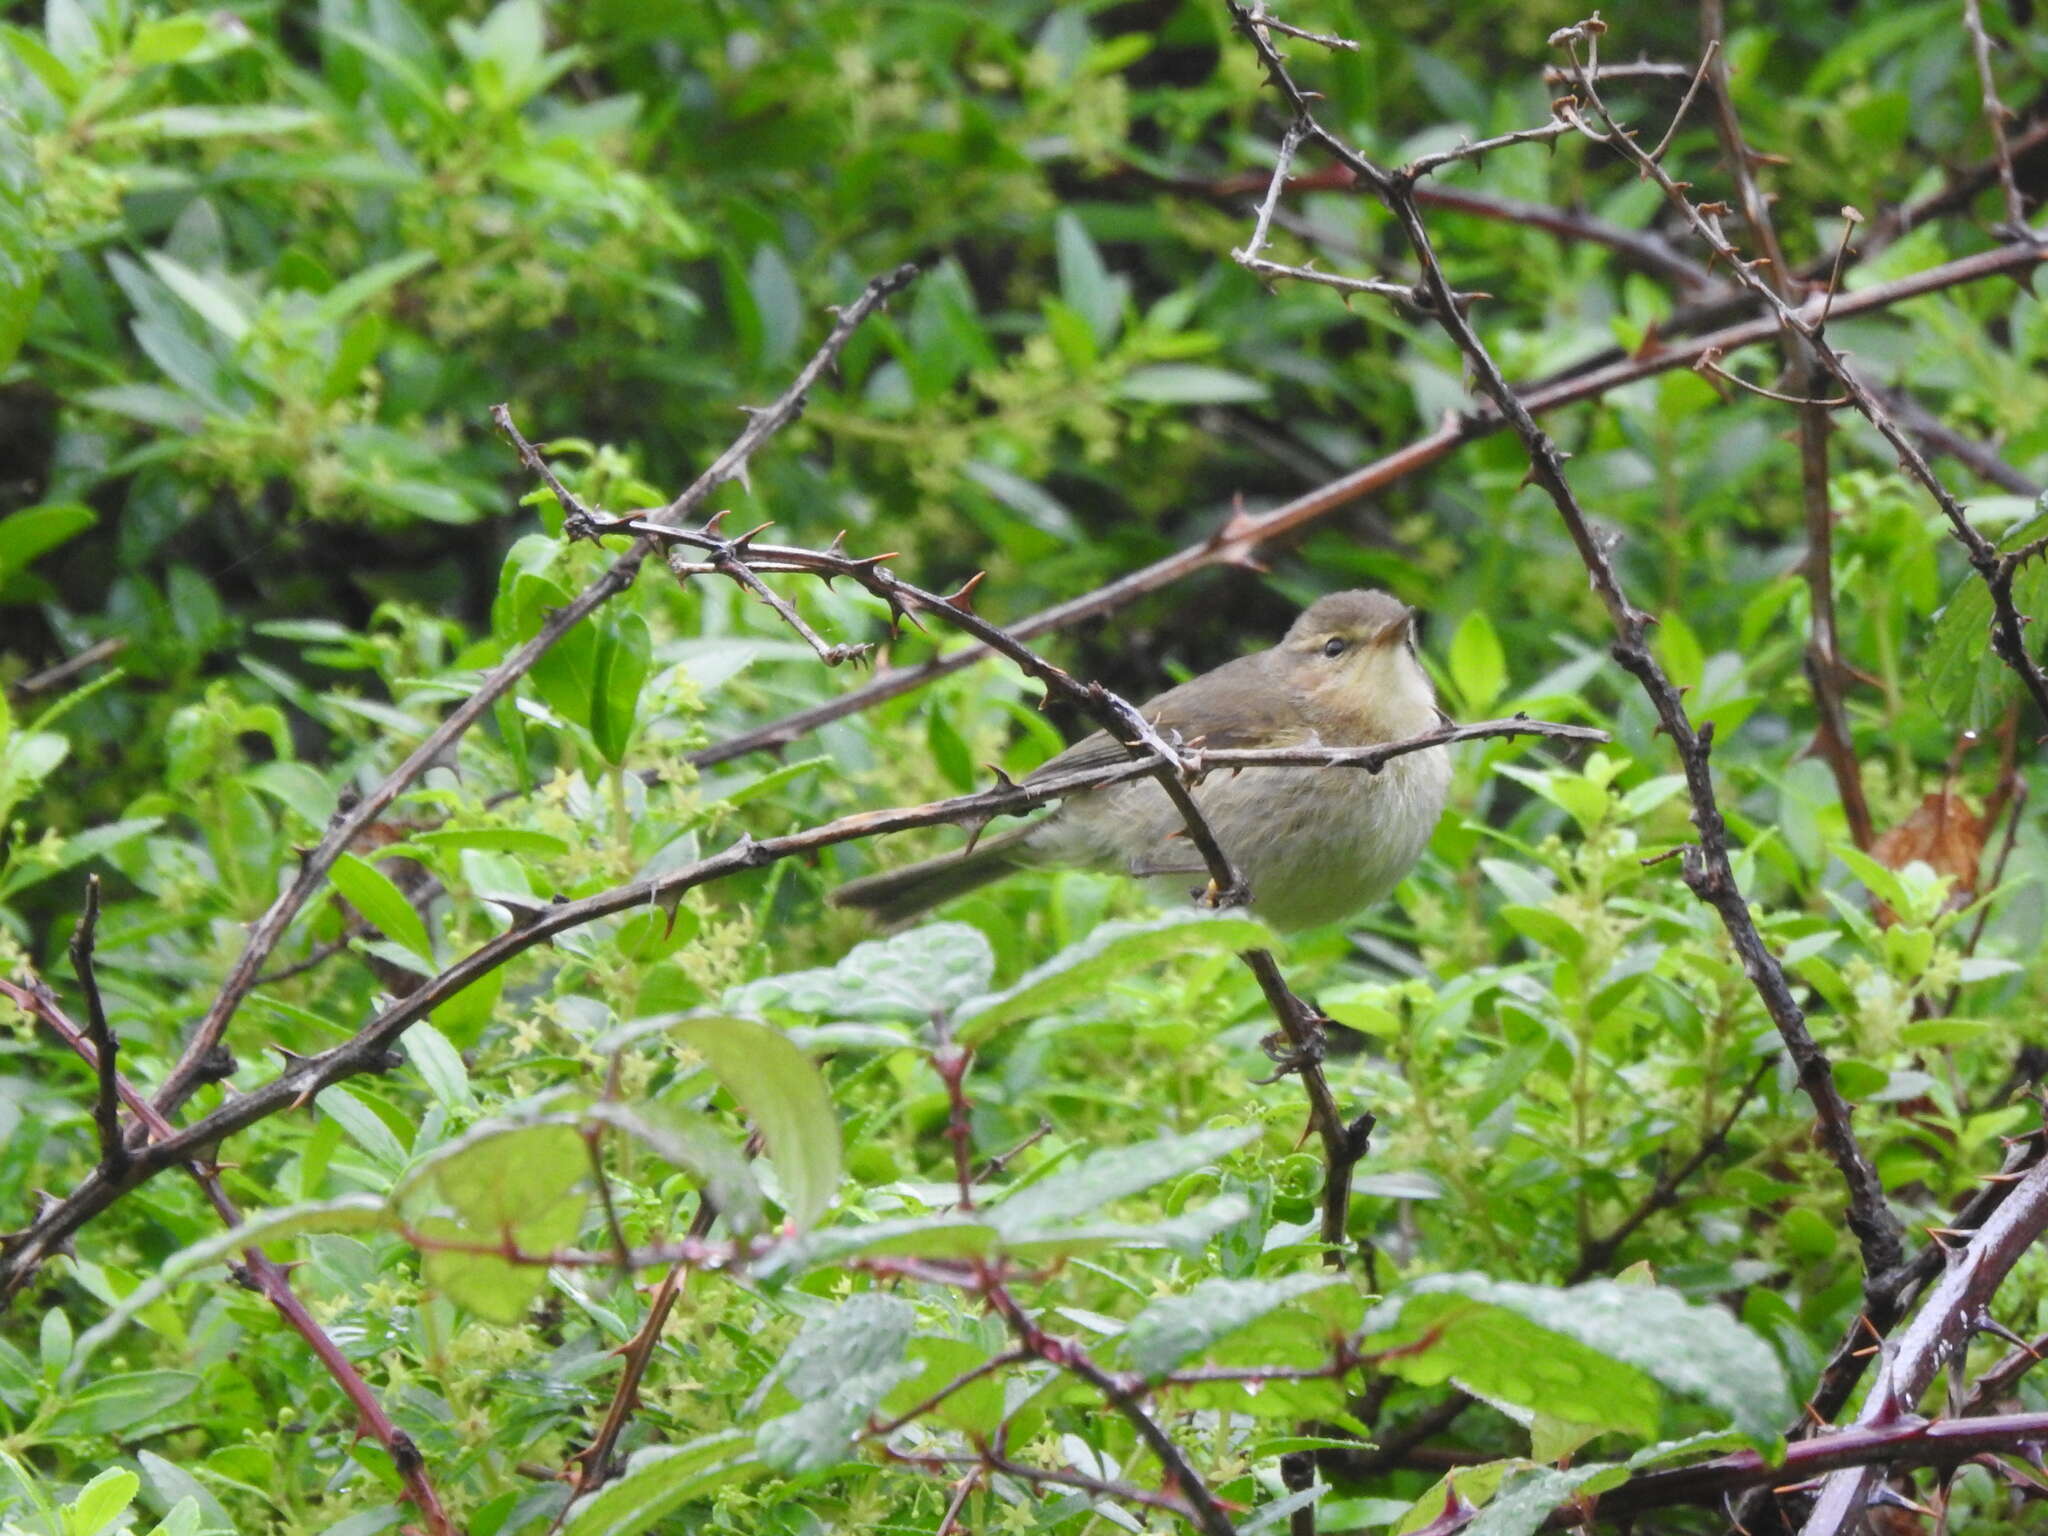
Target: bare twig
{"points": [[1345, 1143], [1428, 165], [1996, 115], [1600, 1252], [106, 1049], [1827, 675], [65, 670], [1709, 59], [1320, 39]]}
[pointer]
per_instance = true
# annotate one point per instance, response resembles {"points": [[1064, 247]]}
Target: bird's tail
{"points": [[898, 895]]}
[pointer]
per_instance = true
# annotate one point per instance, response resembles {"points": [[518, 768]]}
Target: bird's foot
{"points": [[1288, 1057]]}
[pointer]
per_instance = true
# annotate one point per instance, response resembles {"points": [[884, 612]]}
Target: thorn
{"points": [[974, 831], [963, 600]]}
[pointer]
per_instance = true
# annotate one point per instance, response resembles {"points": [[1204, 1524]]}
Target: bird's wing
{"points": [[1264, 714]]}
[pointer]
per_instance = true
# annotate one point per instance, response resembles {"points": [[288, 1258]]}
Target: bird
{"points": [[1314, 844]]}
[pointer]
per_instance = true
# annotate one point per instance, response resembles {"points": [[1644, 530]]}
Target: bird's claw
{"points": [[1287, 1057]]}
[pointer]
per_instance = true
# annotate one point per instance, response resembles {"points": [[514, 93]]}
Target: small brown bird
{"points": [[1314, 844]]}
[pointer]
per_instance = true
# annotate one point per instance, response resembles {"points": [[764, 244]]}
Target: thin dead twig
{"points": [[1996, 115]]}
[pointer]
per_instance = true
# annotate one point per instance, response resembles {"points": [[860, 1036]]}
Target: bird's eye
{"points": [[1334, 646]]}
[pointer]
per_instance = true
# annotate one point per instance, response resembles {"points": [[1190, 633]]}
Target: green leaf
{"points": [[353, 292], [866, 1332], [208, 297], [1188, 384], [624, 652], [168, 40], [209, 122], [34, 531], [690, 1142], [101, 1502], [170, 1484], [781, 306], [908, 976], [364, 1126], [659, 1480], [777, 1088], [382, 904], [21, 245], [821, 1433], [1479, 664], [1592, 1354], [519, 1182], [940, 1236], [1086, 282], [1174, 1328], [1528, 1497], [126, 1402], [1112, 1175], [1113, 952], [440, 1065]]}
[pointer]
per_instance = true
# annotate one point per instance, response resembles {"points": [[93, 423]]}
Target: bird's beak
{"points": [[1395, 631]]}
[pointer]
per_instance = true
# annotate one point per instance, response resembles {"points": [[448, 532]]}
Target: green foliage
{"points": [[263, 271]]}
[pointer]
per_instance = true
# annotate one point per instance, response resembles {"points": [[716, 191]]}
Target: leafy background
{"points": [[263, 270]]}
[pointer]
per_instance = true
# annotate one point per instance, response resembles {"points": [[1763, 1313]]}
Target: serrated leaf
{"points": [[1594, 1354], [1176, 1328], [908, 976], [866, 1332], [821, 1433], [1113, 952]]}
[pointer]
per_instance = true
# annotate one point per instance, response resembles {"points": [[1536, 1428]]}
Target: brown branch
{"points": [[1238, 541], [1996, 115], [1345, 1143], [1951, 1313], [1907, 1443], [1206, 1513], [106, 1048], [65, 670], [1827, 674], [1707, 866], [191, 1068]]}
